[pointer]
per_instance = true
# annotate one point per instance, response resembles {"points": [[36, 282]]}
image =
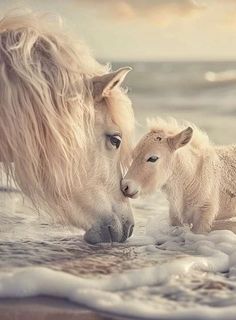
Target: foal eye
{"points": [[115, 141], [152, 159]]}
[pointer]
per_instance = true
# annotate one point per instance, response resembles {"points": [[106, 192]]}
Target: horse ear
{"points": [[103, 85], [180, 139]]}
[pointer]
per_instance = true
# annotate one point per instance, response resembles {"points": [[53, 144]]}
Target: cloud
{"points": [[158, 12], [158, 29], [221, 14], [165, 13]]}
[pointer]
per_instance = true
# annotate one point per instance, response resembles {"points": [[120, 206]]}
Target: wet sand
{"points": [[45, 308]]}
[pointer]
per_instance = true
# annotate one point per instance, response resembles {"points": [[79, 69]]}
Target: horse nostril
{"points": [[110, 232], [131, 229], [127, 230], [126, 188]]}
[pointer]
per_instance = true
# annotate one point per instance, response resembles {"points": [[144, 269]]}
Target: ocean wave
{"points": [[221, 77], [195, 277]]}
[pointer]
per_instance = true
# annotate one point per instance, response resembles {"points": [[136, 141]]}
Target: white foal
{"points": [[198, 178]]}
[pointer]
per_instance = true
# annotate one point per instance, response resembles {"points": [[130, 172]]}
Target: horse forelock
{"points": [[46, 109]]}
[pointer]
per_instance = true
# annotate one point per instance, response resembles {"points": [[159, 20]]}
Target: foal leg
{"points": [[204, 218], [174, 218]]}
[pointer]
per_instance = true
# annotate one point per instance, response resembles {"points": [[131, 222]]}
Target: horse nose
{"points": [[113, 231], [104, 232], [125, 187], [130, 188], [128, 228]]}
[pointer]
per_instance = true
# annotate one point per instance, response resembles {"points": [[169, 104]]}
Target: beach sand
{"points": [[45, 308]]}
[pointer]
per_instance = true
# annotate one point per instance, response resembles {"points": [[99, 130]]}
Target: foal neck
{"points": [[185, 165]]}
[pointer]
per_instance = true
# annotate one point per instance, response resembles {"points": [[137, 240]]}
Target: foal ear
{"points": [[180, 139], [103, 85]]}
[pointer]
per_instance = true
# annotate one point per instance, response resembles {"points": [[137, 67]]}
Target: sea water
{"points": [[161, 271]]}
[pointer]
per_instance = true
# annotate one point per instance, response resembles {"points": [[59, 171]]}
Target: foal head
{"points": [[153, 161]]}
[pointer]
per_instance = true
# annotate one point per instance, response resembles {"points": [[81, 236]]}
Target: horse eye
{"points": [[115, 141], [152, 159]]}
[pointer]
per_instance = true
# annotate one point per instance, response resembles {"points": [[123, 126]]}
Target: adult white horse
{"points": [[65, 127]]}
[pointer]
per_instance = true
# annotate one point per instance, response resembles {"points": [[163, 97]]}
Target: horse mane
{"points": [[170, 126], [46, 108]]}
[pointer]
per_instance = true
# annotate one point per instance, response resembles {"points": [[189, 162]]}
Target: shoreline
{"points": [[47, 308]]}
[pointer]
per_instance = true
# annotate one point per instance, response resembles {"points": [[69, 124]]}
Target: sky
{"points": [[147, 30]]}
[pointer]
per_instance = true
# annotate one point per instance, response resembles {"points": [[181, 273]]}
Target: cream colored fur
{"points": [[57, 108], [198, 178]]}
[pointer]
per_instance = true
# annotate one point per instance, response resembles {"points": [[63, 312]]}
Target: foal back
{"points": [[227, 157]]}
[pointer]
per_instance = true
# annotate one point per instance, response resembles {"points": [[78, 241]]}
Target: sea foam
{"points": [[131, 293]]}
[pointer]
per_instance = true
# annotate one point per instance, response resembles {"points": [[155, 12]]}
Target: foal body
{"points": [[198, 178], [203, 192]]}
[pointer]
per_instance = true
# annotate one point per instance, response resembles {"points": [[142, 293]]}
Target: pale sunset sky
{"points": [[147, 29]]}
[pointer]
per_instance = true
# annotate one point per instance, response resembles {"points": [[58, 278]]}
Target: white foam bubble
{"points": [[212, 253], [191, 275]]}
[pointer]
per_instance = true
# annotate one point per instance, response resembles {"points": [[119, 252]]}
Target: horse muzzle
{"points": [[130, 188], [109, 230]]}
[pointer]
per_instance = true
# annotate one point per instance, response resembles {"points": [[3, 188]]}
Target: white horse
{"points": [[66, 125], [198, 178]]}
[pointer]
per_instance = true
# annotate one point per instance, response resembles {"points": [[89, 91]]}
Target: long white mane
{"points": [[46, 108]]}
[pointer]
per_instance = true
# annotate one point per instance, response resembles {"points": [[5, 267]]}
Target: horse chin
{"points": [[134, 195], [110, 229]]}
